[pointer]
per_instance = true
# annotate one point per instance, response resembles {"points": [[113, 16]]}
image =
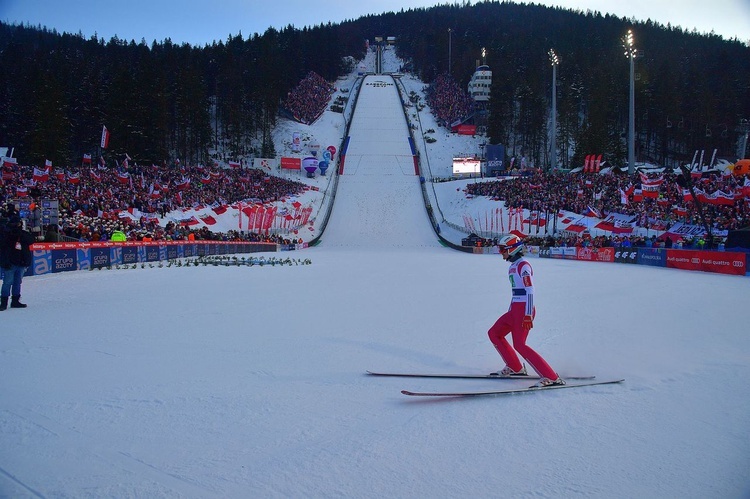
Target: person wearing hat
{"points": [[15, 257]]}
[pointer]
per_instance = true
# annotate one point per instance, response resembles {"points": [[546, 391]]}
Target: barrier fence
{"points": [[62, 257], [722, 262]]}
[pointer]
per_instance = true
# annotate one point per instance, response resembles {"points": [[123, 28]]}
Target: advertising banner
{"points": [[558, 253], [291, 163], [595, 254], [626, 255], [129, 255], [654, 257], [100, 258], [61, 257], [64, 260], [734, 263], [495, 155]]}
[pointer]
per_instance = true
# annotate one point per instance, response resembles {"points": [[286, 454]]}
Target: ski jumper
{"points": [[520, 274]]}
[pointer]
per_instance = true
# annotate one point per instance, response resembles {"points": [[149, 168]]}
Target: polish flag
{"points": [[105, 137]]}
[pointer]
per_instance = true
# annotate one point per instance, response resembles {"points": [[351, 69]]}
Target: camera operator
{"points": [[15, 257]]}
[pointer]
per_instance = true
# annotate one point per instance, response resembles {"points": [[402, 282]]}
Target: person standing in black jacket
{"points": [[15, 257]]}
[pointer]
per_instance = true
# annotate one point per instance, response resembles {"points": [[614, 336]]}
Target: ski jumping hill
{"points": [[379, 200]]}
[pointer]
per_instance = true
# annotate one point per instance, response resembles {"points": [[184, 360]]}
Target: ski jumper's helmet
{"points": [[510, 245]]}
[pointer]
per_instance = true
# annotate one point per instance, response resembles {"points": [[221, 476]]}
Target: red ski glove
{"points": [[528, 322]]}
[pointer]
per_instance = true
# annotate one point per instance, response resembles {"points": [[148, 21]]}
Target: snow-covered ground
{"points": [[249, 382]]}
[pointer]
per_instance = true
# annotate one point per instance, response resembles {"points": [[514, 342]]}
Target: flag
{"points": [[41, 175], [74, 178], [48, 163], [124, 177], [724, 199], [105, 137], [650, 191], [590, 211], [22, 191], [102, 164], [234, 164], [623, 197], [59, 174], [96, 176], [622, 227], [87, 158], [208, 220]]}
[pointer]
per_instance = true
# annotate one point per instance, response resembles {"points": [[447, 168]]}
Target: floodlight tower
{"points": [[628, 44], [554, 60]]}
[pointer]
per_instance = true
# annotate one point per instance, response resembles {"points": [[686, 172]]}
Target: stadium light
{"points": [[628, 45], [555, 61]]}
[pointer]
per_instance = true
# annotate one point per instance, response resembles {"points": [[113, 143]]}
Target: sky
{"points": [[201, 22], [218, 382]]}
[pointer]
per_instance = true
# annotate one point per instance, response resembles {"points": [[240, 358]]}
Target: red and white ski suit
{"points": [[520, 274]]}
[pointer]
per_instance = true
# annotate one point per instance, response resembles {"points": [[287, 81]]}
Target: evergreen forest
{"points": [[163, 101]]}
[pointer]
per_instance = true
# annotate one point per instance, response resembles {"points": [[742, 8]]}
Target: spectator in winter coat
{"points": [[15, 257]]}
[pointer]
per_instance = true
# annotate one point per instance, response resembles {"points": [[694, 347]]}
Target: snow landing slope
{"points": [[379, 198]]}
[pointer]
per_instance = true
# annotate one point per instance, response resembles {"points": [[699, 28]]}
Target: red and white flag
{"points": [[87, 158], [105, 137], [41, 175], [74, 178]]}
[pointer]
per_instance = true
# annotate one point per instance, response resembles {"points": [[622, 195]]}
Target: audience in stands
{"points": [[448, 102], [92, 201], [307, 101], [579, 192]]}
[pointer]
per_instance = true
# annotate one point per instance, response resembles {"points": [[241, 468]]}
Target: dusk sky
{"points": [[201, 22]]}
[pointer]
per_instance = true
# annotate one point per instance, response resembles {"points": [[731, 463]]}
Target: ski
{"points": [[466, 376], [510, 391]]}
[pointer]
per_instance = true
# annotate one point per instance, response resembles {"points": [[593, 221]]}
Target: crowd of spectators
{"points": [[448, 102], [92, 199], [307, 101], [617, 193], [615, 240]]}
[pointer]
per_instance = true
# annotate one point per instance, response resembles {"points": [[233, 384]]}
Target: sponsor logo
{"points": [[738, 264], [64, 262], [101, 260]]}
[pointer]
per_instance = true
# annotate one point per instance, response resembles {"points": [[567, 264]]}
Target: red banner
{"points": [[291, 163], [734, 263], [595, 254]]}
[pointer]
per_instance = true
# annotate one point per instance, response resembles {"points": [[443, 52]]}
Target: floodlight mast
{"points": [[555, 61], [628, 45]]}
